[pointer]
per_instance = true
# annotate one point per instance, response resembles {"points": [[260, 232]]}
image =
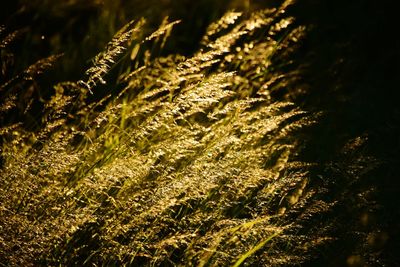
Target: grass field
{"points": [[207, 133]]}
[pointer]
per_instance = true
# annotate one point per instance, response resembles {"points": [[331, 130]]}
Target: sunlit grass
{"points": [[147, 177], [185, 161]]}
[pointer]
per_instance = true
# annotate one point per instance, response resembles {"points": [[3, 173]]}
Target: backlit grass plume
{"points": [[196, 160]]}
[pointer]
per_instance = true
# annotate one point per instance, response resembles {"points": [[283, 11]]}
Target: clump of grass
{"points": [[188, 161]]}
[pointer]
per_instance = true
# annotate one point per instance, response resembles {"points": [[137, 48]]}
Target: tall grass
{"points": [[180, 160]]}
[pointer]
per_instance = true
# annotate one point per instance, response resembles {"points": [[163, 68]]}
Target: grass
{"points": [[227, 155], [253, 250]]}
